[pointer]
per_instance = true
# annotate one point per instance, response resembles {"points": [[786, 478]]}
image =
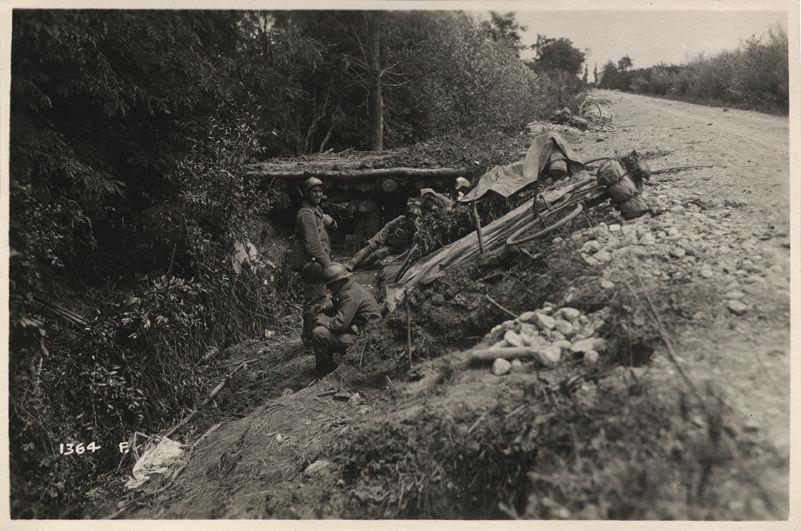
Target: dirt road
{"points": [[748, 181], [719, 254]]}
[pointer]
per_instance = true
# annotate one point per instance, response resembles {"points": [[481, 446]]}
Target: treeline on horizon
{"points": [[754, 76]]}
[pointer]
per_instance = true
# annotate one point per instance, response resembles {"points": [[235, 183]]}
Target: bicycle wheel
{"points": [[554, 220]]}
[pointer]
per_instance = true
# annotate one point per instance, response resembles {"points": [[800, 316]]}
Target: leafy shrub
{"points": [[754, 76]]}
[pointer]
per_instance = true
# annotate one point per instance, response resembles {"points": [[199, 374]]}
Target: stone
{"points": [[569, 314], [516, 364], [736, 307], [545, 322], [648, 239], [584, 345], [590, 358], [342, 395], [355, 399], [678, 209], [563, 344], [549, 356], [526, 317], [591, 246], [607, 284], [527, 329], [557, 240], [565, 328], [599, 230], [286, 392], [614, 227], [707, 273], [556, 335], [584, 320], [530, 340], [513, 338], [547, 308], [734, 295], [755, 279], [589, 260], [677, 252], [315, 468], [499, 345], [500, 367], [602, 256]]}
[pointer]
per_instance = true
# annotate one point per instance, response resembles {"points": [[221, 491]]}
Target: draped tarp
{"points": [[510, 178]]}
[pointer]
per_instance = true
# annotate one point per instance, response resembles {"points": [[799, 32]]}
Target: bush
{"points": [[754, 76]]}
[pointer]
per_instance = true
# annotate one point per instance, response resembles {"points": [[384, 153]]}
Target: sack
{"points": [[622, 190], [610, 172], [635, 207], [312, 271]]}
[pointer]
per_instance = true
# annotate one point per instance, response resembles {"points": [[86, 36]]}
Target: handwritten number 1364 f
{"points": [[70, 448]]}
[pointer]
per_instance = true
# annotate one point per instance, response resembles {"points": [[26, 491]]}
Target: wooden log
{"points": [[511, 353], [263, 170], [208, 399]]}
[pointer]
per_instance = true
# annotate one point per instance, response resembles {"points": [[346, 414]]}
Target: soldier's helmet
{"points": [[310, 183], [335, 271]]}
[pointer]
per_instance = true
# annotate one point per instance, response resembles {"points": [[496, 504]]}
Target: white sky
{"points": [[647, 37]]}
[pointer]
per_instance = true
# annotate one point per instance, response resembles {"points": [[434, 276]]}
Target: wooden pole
{"points": [[480, 234], [266, 170], [409, 332]]}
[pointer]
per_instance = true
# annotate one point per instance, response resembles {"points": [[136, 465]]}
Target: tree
{"points": [[556, 54], [584, 77], [609, 75], [504, 28], [375, 98], [624, 63], [595, 74]]}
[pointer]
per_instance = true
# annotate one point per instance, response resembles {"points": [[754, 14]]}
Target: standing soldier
{"points": [[312, 250]]}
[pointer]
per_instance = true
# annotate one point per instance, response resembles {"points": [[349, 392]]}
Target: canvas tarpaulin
{"points": [[510, 178]]}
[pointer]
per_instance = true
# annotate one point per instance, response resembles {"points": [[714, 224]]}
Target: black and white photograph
{"points": [[395, 261]]}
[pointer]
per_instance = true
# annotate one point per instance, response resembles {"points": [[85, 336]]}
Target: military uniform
{"points": [[313, 245], [393, 238], [355, 307]]}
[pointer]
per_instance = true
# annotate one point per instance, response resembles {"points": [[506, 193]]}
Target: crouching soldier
{"points": [[353, 307], [393, 238]]}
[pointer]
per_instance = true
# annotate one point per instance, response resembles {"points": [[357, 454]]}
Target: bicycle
{"points": [[547, 217]]}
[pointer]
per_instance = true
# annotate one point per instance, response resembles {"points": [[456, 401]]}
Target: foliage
{"points": [[537, 451], [129, 132], [754, 76], [556, 55], [504, 27]]}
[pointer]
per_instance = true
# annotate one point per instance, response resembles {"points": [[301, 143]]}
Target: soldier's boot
{"points": [[324, 362]]}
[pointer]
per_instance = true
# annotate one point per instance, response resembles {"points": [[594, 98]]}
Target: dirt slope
{"points": [[730, 222]]}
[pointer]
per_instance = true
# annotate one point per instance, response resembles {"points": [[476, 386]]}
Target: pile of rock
{"points": [[550, 333]]}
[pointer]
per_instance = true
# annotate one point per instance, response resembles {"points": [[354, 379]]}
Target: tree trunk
{"points": [[375, 100]]}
